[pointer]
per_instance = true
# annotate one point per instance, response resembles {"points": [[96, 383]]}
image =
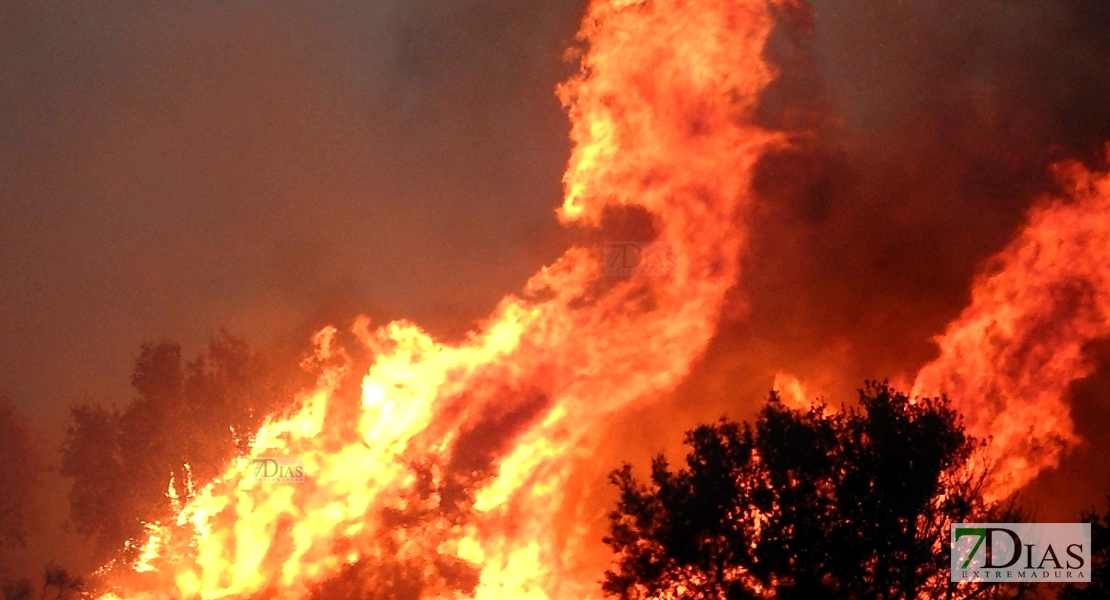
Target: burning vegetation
{"points": [[454, 472], [464, 470]]}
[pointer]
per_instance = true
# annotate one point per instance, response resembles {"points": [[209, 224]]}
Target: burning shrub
{"points": [[186, 422]]}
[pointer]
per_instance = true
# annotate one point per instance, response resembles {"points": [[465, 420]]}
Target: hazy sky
{"points": [[171, 168]]}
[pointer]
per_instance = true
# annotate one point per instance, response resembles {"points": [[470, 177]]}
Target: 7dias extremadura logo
{"points": [[1021, 552], [278, 469]]}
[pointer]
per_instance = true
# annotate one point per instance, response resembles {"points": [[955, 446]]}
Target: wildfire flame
{"points": [[455, 474], [450, 476], [1008, 359], [793, 393]]}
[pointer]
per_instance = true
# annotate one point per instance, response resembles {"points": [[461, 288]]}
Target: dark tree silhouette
{"points": [[17, 590], [19, 469], [57, 584], [187, 420], [804, 505], [1099, 587], [63, 584]]}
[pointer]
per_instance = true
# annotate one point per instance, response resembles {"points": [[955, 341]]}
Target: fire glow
{"points": [[454, 474]]}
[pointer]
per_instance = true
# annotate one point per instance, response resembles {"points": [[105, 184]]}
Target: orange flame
{"points": [[460, 457], [793, 393], [1007, 361]]}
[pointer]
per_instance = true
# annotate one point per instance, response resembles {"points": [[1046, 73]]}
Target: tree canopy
{"points": [[187, 420], [1099, 587], [813, 504]]}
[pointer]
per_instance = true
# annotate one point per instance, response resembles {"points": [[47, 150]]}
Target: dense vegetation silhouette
{"points": [[842, 504], [1099, 587], [187, 420]]}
